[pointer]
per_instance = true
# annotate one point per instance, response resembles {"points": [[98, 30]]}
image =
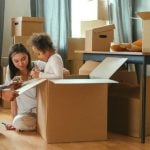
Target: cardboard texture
{"points": [[75, 44], [145, 16], [107, 67], [29, 84], [5, 104], [25, 26], [76, 64], [124, 105], [24, 41], [103, 11], [90, 24], [99, 39], [87, 67], [72, 110], [75, 59], [99, 9]]}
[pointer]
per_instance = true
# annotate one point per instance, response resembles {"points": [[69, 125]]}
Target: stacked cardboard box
{"points": [[90, 24], [75, 60], [26, 26], [98, 33], [95, 9], [24, 41], [98, 19], [124, 112], [23, 27], [124, 105], [124, 101], [99, 39]]}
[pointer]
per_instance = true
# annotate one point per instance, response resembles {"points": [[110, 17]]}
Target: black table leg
{"points": [[143, 101]]}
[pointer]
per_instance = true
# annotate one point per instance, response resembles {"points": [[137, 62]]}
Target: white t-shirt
{"points": [[52, 69], [26, 102]]}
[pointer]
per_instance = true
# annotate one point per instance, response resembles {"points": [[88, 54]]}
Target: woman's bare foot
{"points": [[9, 126]]}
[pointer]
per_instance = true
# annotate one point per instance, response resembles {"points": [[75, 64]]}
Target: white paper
{"points": [[29, 84], [107, 67]]}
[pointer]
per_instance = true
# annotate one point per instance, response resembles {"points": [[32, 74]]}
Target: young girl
{"points": [[43, 48], [20, 65]]}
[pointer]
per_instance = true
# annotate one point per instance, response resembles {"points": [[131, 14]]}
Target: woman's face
{"points": [[20, 61]]}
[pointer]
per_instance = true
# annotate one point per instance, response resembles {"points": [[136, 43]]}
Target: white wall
{"points": [[13, 8]]}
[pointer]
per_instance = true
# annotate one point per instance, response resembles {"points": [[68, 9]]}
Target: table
{"points": [[133, 58]]}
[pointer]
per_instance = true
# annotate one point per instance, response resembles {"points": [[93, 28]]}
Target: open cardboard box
{"points": [[73, 110]]}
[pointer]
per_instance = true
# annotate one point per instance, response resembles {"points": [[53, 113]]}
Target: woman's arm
{"points": [[7, 76], [8, 94]]}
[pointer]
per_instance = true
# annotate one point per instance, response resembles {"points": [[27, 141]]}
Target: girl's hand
{"points": [[34, 74], [17, 79]]}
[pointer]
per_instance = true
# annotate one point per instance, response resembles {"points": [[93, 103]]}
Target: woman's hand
{"points": [[14, 85], [9, 95]]}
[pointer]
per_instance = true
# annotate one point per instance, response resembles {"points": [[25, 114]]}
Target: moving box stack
{"points": [[94, 21], [124, 105], [125, 99], [24, 27]]}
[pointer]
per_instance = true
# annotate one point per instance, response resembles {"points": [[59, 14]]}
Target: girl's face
{"points": [[20, 61], [41, 55]]}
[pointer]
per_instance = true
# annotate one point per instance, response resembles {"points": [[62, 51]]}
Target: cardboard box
{"points": [[124, 106], [73, 45], [5, 104], [145, 16], [88, 67], [90, 24], [24, 41], [103, 10], [75, 59], [99, 39], [70, 114], [99, 9], [73, 110], [25, 26], [67, 114]]}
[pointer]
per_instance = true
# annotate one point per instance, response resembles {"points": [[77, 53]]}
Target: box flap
{"points": [[31, 19], [107, 67], [29, 84], [104, 28], [82, 81], [144, 15], [87, 67]]}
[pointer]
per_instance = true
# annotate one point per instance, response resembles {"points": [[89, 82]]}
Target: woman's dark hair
{"points": [[16, 49], [42, 42]]}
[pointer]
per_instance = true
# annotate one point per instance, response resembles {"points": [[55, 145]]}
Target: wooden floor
{"points": [[12, 140]]}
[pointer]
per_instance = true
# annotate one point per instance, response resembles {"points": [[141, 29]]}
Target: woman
{"points": [[26, 103]]}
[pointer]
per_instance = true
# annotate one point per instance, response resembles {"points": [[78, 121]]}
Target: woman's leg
{"points": [[13, 113], [13, 108]]}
